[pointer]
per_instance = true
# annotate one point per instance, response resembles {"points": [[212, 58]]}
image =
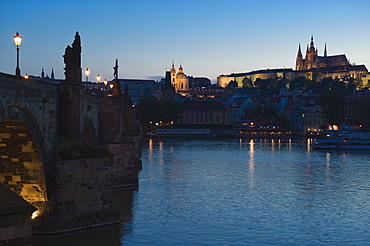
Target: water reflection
{"points": [[250, 192], [251, 163], [150, 149], [309, 143]]}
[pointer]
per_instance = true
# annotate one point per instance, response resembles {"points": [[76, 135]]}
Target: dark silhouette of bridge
{"points": [[63, 149]]}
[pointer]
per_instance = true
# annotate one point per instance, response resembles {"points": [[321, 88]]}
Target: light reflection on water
{"points": [[239, 192], [250, 192]]}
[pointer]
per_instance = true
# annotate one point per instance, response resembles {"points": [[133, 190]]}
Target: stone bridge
{"points": [[63, 149]]}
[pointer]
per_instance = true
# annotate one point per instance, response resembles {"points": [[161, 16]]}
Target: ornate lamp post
{"points": [[17, 41], [87, 72]]}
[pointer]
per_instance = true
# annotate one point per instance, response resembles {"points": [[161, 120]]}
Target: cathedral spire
{"points": [[299, 50], [42, 73], [312, 45], [325, 52]]}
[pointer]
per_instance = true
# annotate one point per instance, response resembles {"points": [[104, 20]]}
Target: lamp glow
{"points": [[17, 42], [87, 72]]}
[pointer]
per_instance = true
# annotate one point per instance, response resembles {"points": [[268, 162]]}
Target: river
{"points": [[242, 192]]}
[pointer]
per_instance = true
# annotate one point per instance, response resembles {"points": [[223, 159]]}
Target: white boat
{"points": [[343, 141]]}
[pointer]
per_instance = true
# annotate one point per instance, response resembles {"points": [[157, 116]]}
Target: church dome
{"points": [[181, 76]]}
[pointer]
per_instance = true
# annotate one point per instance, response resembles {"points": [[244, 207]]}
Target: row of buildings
{"points": [[216, 104]]}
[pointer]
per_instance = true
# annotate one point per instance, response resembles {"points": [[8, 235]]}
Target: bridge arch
{"points": [[24, 163]]}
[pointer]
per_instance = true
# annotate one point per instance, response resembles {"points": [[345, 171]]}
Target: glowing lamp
{"points": [[17, 40], [87, 72]]}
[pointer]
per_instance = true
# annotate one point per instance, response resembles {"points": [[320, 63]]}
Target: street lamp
{"points": [[105, 84], [98, 78], [87, 72], [17, 41]]}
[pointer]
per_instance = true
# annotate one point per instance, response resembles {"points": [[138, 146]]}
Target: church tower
{"points": [[52, 76], [299, 60], [311, 55], [173, 74]]}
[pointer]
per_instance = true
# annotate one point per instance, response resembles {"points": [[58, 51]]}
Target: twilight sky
{"points": [[208, 37]]}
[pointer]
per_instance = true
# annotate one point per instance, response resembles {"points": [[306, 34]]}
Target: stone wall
{"points": [[16, 230], [83, 196], [39, 98], [83, 186], [125, 165]]}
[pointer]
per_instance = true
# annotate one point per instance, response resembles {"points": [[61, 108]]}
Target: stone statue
{"points": [[117, 86], [72, 60], [115, 70]]}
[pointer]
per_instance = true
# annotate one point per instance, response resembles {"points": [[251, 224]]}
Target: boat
{"points": [[343, 141]]}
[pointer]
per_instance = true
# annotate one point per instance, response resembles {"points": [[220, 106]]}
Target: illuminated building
{"points": [[312, 67], [179, 80]]}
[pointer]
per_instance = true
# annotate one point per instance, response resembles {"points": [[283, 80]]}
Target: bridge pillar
{"points": [[70, 111]]}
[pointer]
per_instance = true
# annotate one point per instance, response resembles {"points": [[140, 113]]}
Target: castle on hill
{"points": [[312, 67]]}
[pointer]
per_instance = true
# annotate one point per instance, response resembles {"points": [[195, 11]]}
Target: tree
{"points": [[285, 120], [300, 82], [332, 103], [150, 109], [261, 110], [232, 85], [247, 83]]}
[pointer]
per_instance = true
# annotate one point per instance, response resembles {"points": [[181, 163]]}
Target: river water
{"points": [[243, 192]]}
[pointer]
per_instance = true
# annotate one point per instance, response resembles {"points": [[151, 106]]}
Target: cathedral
{"points": [[313, 60]]}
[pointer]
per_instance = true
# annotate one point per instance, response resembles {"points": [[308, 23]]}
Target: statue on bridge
{"points": [[117, 86], [72, 59]]}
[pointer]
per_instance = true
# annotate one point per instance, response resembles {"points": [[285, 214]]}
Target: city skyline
{"points": [[208, 38]]}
